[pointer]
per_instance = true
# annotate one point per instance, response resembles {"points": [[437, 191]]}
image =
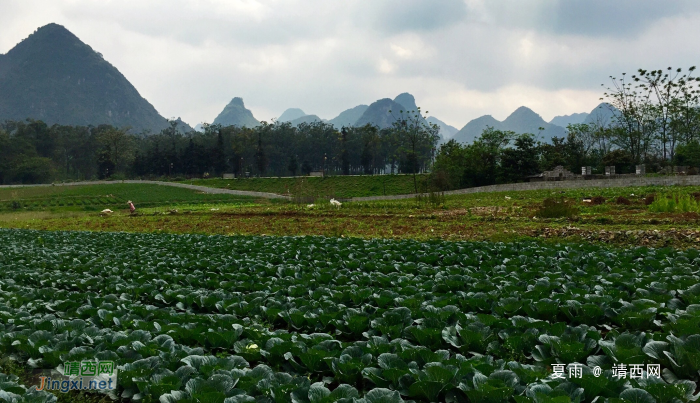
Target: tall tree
{"points": [[484, 156], [344, 158], [451, 162], [293, 165], [260, 156], [520, 161], [218, 154], [116, 147], [417, 140]]}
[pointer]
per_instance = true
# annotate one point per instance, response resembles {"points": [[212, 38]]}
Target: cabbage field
{"points": [[193, 318]]}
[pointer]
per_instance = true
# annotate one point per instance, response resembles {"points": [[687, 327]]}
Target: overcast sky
{"points": [[460, 58]]}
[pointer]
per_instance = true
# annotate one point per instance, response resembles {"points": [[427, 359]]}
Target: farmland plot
{"points": [[97, 197], [190, 318]]}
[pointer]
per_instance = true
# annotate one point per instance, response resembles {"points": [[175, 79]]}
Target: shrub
{"points": [[432, 198], [597, 200], [623, 200], [649, 199], [675, 204], [553, 208], [33, 170], [604, 220]]}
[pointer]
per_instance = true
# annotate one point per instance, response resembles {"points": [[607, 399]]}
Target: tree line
{"points": [[33, 152], [655, 121], [499, 156]]}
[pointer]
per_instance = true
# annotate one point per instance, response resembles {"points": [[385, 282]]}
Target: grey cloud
{"points": [[283, 24], [395, 16], [620, 17], [594, 18]]}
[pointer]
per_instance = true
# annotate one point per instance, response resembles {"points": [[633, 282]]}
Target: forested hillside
{"points": [[54, 77]]}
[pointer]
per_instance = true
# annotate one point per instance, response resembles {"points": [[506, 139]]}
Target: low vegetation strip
{"points": [[693, 180], [191, 318], [370, 187], [339, 187]]}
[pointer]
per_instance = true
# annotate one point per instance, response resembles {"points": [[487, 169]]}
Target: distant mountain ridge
{"points": [[382, 113], [236, 114], [306, 119], [446, 131], [290, 115], [602, 115], [54, 77], [522, 120], [348, 117], [183, 127], [408, 101], [565, 120]]}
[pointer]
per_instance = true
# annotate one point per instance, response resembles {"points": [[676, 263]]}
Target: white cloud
{"points": [[386, 66], [401, 52], [526, 46]]}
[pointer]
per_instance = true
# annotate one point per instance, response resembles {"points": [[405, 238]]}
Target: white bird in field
{"points": [[107, 211], [310, 205], [507, 197], [336, 203]]}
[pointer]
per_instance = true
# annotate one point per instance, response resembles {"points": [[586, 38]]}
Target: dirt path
{"points": [[203, 189]]}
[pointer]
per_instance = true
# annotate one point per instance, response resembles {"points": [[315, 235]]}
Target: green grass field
{"points": [[113, 196], [314, 187], [623, 217], [529, 198]]}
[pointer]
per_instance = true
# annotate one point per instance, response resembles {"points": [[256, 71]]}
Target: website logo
{"points": [[80, 375]]}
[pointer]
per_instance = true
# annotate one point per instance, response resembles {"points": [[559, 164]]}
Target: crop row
{"points": [[90, 202], [294, 318], [56, 202]]}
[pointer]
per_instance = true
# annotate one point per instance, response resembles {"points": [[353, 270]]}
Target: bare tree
{"points": [[635, 124], [658, 110], [675, 99]]}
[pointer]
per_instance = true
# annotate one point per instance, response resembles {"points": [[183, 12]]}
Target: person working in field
{"points": [[132, 209]]}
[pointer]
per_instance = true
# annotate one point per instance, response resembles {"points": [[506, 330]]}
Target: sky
{"points": [[461, 59]]}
